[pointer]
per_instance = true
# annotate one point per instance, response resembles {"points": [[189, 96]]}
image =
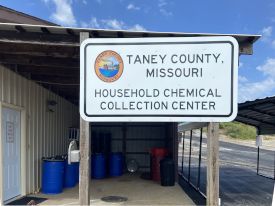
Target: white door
{"points": [[11, 153]]}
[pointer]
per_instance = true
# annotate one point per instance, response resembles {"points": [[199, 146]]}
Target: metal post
{"points": [[190, 155], [199, 173], [274, 166], [182, 152], [258, 160]]}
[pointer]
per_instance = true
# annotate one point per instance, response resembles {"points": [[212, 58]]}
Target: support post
{"points": [[258, 161], [175, 149], [85, 153], [212, 190], [182, 159], [190, 149], [199, 172]]}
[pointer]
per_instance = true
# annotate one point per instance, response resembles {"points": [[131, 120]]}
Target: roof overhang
{"points": [[259, 113], [49, 55], [185, 126]]}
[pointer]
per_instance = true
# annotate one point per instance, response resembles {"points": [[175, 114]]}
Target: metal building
{"points": [[41, 63]]}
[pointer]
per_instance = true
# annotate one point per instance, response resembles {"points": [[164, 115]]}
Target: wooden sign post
{"points": [[212, 191], [85, 153]]}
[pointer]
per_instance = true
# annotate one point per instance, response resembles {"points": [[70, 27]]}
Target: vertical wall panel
{"points": [[46, 133]]}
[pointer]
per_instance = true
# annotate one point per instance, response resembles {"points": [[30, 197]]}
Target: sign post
{"points": [[85, 153]]}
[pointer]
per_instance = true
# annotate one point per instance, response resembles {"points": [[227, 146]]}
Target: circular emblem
{"points": [[108, 66]]}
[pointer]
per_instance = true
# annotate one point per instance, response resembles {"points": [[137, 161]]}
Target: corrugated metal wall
{"points": [[139, 138], [117, 133], [134, 144], [47, 133]]}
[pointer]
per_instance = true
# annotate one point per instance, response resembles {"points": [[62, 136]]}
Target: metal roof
{"points": [[27, 15], [259, 113], [114, 33], [185, 126]]}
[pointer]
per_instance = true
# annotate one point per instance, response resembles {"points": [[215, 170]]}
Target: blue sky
{"points": [[256, 72]]}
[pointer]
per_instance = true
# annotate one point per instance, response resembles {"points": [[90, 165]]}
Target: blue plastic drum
{"points": [[69, 175], [98, 166], [52, 176], [76, 172], [115, 164]]}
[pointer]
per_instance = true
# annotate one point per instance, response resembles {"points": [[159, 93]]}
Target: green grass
{"points": [[238, 130]]}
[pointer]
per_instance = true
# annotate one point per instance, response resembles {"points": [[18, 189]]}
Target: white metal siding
{"points": [[46, 132]]}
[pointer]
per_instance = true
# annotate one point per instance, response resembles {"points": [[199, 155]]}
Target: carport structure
{"points": [[259, 113], [49, 56]]}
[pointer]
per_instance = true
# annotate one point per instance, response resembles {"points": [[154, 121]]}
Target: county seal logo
{"points": [[109, 66]]}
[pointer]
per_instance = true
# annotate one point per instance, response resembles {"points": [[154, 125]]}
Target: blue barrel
{"points": [[52, 176], [115, 164], [69, 175], [98, 166], [76, 172]]}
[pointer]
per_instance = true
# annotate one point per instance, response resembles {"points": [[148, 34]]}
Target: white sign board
{"points": [[159, 79], [259, 141], [10, 132]]}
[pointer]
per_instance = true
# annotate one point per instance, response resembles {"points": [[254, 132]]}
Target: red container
{"points": [[159, 151], [157, 154], [151, 159]]}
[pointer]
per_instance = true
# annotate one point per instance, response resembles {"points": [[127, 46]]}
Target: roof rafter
{"points": [[255, 119], [39, 60], [39, 50]]}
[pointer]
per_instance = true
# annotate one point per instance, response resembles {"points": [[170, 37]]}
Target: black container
{"points": [[104, 143], [94, 143], [167, 172]]}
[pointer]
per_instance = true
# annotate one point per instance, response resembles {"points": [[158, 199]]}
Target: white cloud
{"points": [[272, 19], [111, 24], [250, 91], [165, 12], [84, 2], [98, 1], [120, 25], [240, 64], [131, 6], [162, 3], [84, 24], [137, 27], [94, 23], [63, 13], [266, 33], [242, 79], [268, 68]]}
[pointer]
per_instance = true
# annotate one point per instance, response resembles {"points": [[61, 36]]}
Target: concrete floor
{"points": [[129, 185]]}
